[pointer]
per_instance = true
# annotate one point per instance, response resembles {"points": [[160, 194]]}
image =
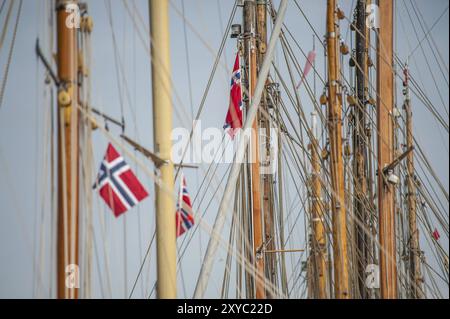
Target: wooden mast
{"points": [[414, 247], [341, 273], [162, 126], [269, 240], [385, 134], [372, 242], [359, 145], [317, 218], [251, 54], [67, 233]]}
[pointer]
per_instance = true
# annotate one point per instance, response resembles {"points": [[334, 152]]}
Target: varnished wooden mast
{"points": [[385, 134], [270, 264], [317, 219], [359, 146], [339, 220], [414, 247], [67, 234], [251, 54], [372, 241], [162, 126]]}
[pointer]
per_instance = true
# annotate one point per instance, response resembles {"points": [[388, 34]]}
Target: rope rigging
{"points": [[289, 246]]}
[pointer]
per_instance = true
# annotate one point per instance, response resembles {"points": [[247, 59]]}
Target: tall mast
{"points": [[251, 55], [385, 133], [341, 273], [317, 218], [67, 233], [414, 248], [359, 145], [162, 126], [372, 255], [269, 240]]}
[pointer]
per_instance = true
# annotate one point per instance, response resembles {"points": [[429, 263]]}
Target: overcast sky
{"points": [[24, 163]]}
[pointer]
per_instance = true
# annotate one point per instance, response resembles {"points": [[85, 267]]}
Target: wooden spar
{"points": [[162, 126], [269, 234], [317, 219], [340, 256], [385, 134], [251, 54], [414, 247], [67, 233], [283, 276], [158, 161], [373, 248], [359, 146]]}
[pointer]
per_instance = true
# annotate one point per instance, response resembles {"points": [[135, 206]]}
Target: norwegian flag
{"points": [[233, 120], [436, 234], [117, 184], [184, 220]]}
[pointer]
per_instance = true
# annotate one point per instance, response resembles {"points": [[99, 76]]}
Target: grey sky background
{"points": [[24, 192]]}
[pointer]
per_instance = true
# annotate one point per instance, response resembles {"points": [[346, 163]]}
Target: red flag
{"points": [[183, 218], [436, 234], [233, 120], [117, 184]]}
